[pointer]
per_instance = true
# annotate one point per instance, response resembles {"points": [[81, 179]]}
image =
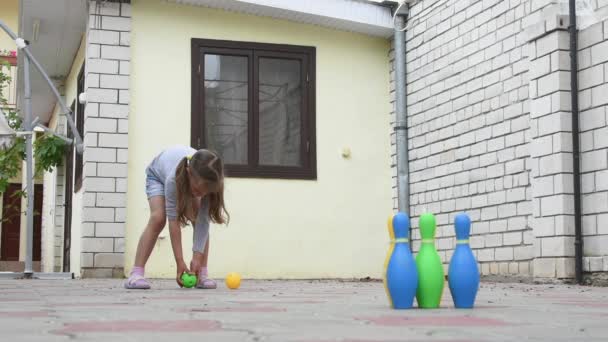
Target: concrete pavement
{"points": [[298, 311]]}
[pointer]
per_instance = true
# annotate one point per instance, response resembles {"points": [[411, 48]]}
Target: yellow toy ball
{"points": [[233, 280]]}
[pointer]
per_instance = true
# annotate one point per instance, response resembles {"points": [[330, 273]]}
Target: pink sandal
{"points": [[206, 283], [137, 282]]}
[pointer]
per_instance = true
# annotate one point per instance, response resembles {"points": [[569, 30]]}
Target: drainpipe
{"points": [[27, 125], [578, 236], [400, 128]]}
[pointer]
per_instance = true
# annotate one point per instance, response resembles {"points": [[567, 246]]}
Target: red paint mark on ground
{"points": [[135, 326], [236, 309], [23, 314], [435, 321]]}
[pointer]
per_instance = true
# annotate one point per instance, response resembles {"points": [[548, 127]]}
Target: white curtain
{"points": [[227, 105], [280, 97]]}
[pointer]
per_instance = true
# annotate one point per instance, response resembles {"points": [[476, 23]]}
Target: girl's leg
{"points": [[201, 259], [155, 225], [200, 250]]}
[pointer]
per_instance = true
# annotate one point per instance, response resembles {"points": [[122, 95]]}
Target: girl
{"points": [[183, 185]]}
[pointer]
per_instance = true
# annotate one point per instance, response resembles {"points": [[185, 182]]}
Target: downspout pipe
{"points": [[403, 193], [27, 123], [578, 236]]}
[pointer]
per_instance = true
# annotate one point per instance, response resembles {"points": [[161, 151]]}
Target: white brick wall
{"points": [[593, 80], [59, 204], [99, 95], [104, 185], [114, 81], [102, 66], [490, 130], [551, 142], [104, 37], [468, 121]]}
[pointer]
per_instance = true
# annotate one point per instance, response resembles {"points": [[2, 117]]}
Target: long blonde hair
{"points": [[208, 166]]}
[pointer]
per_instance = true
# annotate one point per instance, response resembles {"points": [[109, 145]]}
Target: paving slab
{"points": [[293, 311]]}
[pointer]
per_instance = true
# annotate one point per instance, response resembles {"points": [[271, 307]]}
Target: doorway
{"points": [[11, 224]]}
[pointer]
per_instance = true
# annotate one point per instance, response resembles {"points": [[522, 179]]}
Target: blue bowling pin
{"points": [[463, 274], [400, 273]]}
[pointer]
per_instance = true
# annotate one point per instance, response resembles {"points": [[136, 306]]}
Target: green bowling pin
{"points": [[430, 269]]}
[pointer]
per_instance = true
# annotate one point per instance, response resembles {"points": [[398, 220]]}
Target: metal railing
{"points": [[29, 122]]}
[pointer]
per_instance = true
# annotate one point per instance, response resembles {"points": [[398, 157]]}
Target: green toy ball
{"points": [[189, 280]]}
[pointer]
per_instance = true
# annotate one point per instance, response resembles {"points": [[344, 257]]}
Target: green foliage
{"points": [[49, 150], [10, 162], [13, 118]]}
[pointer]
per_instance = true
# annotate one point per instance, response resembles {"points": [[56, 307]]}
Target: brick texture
{"points": [[550, 145], [593, 79], [104, 183], [489, 123], [59, 204], [469, 127]]}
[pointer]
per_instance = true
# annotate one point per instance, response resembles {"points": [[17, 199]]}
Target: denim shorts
{"points": [[154, 186]]}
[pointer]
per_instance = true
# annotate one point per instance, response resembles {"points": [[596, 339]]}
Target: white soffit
{"points": [[60, 26], [359, 16]]}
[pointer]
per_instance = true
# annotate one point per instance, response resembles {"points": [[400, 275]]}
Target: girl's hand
{"points": [[176, 243], [195, 265], [181, 269]]}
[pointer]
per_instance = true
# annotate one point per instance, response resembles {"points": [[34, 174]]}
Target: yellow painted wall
{"points": [[9, 14], [331, 227], [48, 221], [71, 82], [49, 205]]}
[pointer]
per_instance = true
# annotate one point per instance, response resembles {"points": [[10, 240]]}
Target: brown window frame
{"points": [[253, 51], [78, 163], [67, 200]]}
